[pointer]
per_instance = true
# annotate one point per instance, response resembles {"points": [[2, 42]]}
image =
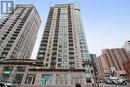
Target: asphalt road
{"points": [[113, 85]]}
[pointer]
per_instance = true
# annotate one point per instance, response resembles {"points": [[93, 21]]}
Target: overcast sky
{"points": [[106, 22]]}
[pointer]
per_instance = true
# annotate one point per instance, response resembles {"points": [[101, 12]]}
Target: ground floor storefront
{"points": [[28, 75]]}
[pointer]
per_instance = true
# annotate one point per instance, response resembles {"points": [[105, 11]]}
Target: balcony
{"points": [[71, 57], [22, 22], [54, 46], [71, 37], [1, 25], [45, 37], [19, 27], [15, 35], [6, 48], [55, 41], [44, 44], [44, 41], [53, 57], [71, 49], [3, 38], [13, 38], [11, 26], [71, 41], [70, 44], [11, 41], [54, 49]]}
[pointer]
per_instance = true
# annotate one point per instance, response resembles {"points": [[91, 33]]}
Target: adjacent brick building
{"points": [[112, 60]]}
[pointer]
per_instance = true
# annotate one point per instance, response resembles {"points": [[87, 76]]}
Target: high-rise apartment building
{"points": [[63, 43], [93, 58], [63, 46], [18, 32], [63, 58]]}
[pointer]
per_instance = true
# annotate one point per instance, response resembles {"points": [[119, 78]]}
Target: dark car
{"points": [[6, 84]]}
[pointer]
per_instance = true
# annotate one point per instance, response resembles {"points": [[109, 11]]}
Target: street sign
{"points": [[7, 72]]}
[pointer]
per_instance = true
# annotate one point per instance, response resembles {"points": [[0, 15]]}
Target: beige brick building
{"points": [[112, 60]]}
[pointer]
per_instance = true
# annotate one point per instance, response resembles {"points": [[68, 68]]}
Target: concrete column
{"points": [[37, 79], [69, 78], [1, 70], [54, 79], [24, 75], [84, 78], [12, 75]]}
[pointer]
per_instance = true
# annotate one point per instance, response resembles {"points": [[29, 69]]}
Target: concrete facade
{"points": [[127, 69], [61, 56], [18, 32], [63, 45], [26, 73], [93, 58]]}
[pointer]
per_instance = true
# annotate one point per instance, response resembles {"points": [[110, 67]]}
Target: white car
{"points": [[122, 81], [6, 84]]}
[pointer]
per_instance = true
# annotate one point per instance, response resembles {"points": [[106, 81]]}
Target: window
{"points": [[47, 59], [59, 60], [46, 64], [48, 54], [18, 78], [30, 79], [47, 79], [59, 65]]}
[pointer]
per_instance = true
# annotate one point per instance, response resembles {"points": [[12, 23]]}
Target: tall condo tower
{"points": [[18, 32], [63, 47]]}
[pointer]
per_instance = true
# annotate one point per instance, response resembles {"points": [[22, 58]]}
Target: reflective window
{"points": [[30, 79], [18, 79]]}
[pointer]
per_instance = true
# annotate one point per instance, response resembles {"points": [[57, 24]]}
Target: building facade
{"points": [[63, 47], [63, 58], [93, 58], [127, 46], [112, 60], [18, 32], [127, 68]]}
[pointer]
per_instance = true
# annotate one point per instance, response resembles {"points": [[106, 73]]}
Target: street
{"points": [[113, 85]]}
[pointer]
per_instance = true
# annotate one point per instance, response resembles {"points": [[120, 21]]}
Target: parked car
{"points": [[6, 84], [100, 81], [108, 81], [121, 81], [116, 80]]}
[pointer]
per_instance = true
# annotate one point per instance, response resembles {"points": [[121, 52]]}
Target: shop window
{"points": [[18, 79], [30, 79]]}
